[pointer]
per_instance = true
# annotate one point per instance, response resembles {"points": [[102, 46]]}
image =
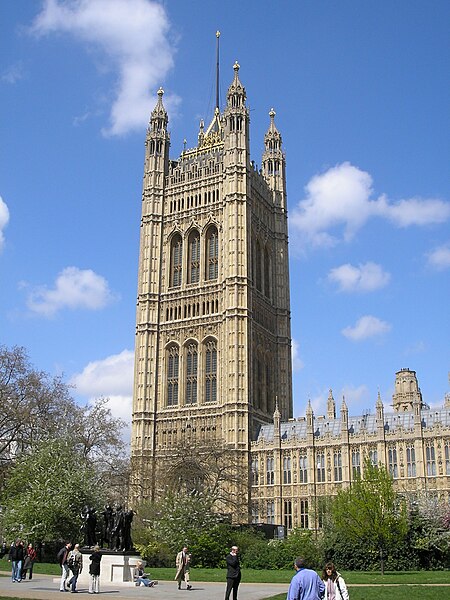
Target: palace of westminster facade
{"points": [[213, 345]]}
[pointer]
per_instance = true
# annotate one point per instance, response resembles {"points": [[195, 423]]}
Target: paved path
{"points": [[43, 587]]}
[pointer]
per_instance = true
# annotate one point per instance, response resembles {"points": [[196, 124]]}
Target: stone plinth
{"points": [[115, 567]]}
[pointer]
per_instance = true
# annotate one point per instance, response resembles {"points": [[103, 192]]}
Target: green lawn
{"points": [[391, 593]]}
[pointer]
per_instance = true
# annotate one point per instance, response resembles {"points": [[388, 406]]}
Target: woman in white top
{"points": [[335, 588]]}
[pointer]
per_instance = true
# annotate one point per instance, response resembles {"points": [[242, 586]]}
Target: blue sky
{"points": [[361, 92]]}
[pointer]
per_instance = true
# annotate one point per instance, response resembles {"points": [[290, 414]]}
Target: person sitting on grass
{"points": [[141, 578]]}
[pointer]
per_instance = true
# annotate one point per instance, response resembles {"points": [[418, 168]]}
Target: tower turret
{"points": [[331, 406], [274, 162]]}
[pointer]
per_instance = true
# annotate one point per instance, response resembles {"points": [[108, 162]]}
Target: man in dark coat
{"points": [[233, 573], [16, 559]]}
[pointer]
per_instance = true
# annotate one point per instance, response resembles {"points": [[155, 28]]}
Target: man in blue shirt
{"points": [[306, 584]]}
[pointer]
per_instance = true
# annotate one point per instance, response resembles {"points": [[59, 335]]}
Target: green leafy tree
{"points": [[46, 491], [370, 512]]}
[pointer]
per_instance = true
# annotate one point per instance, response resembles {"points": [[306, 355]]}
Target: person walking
{"points": [[75, 562], [28, 561], [306, 584], [62, 557], [182, 563], [233, 573], [94, 571], [16, 559], [335, 588]]}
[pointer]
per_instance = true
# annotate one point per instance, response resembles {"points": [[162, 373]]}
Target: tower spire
{"points": [[217, 68]]}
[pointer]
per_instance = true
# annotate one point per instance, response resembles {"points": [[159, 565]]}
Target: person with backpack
{"points": [[75, 563], [62, 557], [335, 588]]}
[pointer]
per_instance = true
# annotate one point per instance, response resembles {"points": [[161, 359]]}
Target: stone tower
{"points": [[407, 393], [213, 347]]}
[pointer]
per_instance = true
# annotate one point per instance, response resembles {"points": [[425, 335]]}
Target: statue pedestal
{"points": [[115, 568]]}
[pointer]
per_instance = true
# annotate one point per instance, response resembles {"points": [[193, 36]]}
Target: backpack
{"points": [[71, 562]]}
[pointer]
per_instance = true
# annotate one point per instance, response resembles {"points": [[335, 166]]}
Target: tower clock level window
{"points": [[191, 374], [212, 254], [176, 259], [211, 372], [173, 361], [194, 257]]}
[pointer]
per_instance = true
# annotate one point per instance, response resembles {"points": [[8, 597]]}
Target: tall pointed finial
{"points": [[217, 69]]}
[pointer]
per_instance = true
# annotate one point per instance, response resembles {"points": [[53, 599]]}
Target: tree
{"points": [[370, 511], [46, 492], [38, 407]]}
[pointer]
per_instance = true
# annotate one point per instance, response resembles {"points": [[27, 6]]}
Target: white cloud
{"points": [[297, 363], [439, 258], [366, 277], [74, 288], [110, 378], [339, 202], [131, 36], [13, 73], [366, 327], [355, 396], [4, 218]]}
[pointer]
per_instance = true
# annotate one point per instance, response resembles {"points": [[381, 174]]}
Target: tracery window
{"points": [[194, 257], [288, 514], [270, 473], [176, 260], [173, 363], [212, 253], [304, 514], [211, 371], [255, 471], [303, 468], [356, 463], [392, 462], [287, 473], [191, 373], [430, 459], [410, 461], [271, 511], [447, 457], [337, 463], [373, 456], [320, 459]]}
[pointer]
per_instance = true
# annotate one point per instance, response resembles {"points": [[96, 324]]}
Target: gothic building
{"points": [[298, 463], [213, 346]]}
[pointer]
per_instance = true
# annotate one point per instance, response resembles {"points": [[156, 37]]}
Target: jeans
{"points": [[16, 570], [64, 576]]}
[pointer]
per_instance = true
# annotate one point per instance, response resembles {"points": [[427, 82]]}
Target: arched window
{"points": [[194, 257], [211, 371], [173, 366], [266, 272], [258, 266], [176, 260], [191, 373], [212, 253]]}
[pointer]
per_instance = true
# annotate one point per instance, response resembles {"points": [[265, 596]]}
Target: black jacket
{"points": [[16, 552], [94, 567], [233, 567]]}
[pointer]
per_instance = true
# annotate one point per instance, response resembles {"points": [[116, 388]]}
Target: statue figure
{"points": [[107, 525], [117, 529], [127, 543], [90, 523]]}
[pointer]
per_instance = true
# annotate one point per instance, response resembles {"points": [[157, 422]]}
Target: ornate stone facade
{"points": [[296, 464], [213, 347]]}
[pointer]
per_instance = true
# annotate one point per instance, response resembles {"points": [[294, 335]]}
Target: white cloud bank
{"points": [[366, 277], [297, 363], [131, 36], [339, 202], [366, 327], [4, 219], [439, 258], [74, 289], [110, 378]]}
